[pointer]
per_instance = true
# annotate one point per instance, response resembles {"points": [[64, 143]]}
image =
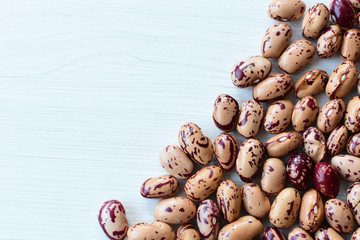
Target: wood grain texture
{"points": [[91, 91]]}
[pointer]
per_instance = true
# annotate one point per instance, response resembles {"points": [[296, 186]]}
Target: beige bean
{"points": [[337, 140], [314, 144], [154, 231], [355, 3], [311, 211], [250, 119], [353, 200], [305, 113], [329, 42], [275, 40], [290, 10], [226, 151], [352, 115], [353, 145], [245, 228], [228, 198], [250, 71], [285, 208], [188, 232], [296, 56], [356, 235], [175, 210], [350, 48], [327, 233], [271, 233], [174, 160], [315, 20], [226, 112], [208, 219], [342, 80], [273, 88], [278, 116], [273, 176], [339, 216], [311, 83], [331, 115], [299, 234], [254, 201], [195, 144], [347, 166], [284, 143], [160, 187], [249, 160], [203, 183], [112, 219]]}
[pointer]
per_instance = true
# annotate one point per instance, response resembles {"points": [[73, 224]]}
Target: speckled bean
{"points": [[342, 13], [275, 40], [339, 216], [327, 233], [112, 219], [195, 144], [347, 166], [296, 56], [226, 112], [311, 211], [353, 145], [352, 115], [305, 113], [273, 176], [226, 151], [326, 179], [203, 183], [284, 11], [337, 140], [175, 210], [314, 21], [349, 50], [228, 198], [284, 143], [188, 232], [250, 71], [356, 235], [285, 208], [154, 231], [299, 234], [273, 88], [355, 3], [174, 160], [329, 41], [249, 160], [250, 119], [254, 201], [278, 116], [208, 219], [353, 200], [159, 187], [314, 144], [299, 171], [271, 233], [311, 83], [342, 80], [331, 115], [245, 228]]}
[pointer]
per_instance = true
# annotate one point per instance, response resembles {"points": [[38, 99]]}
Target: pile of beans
{"points": [[319, 132]]}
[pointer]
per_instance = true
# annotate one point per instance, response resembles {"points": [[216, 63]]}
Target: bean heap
{"points": [[312, 177]]}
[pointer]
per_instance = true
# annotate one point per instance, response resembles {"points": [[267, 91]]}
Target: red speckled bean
{"points": [[352, 115], [271, 233], [112, 219], [329, 42], [226, 112], [208, 219], [273, 176], [155, 231], [284, 11], [275, 40], [305, 113], [250, 119], [299, 171], [246, 228], [350, 47], [331, 115], [160, 187], [339, 216], [278, 116], [347, 166], [203, 183], [327, 233], [311, 83], [315, 19], [337, 140], [283, 144], [228, 198], [353, 145], [299, 234], [175, 210], [326, 179], [273, 88], [226, 151], [342, 13], [311, 211], [314, 144], [174, 160], [254, 201], [188, 232], [353, 200]]}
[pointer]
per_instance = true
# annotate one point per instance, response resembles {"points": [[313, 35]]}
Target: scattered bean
{"points": [[311, 211], [273, 88], [155, 231], [314, 144], [290, 10], [250, 119], [339, 216], [245, 228], [160, 187], [208, 219], [342, 13], [350, 47], [311, 83], [271, 233], [275, 40], [353, 145], [254, 201], [273, 176], [188, 232], [175, 210], [228, 198], [353, 200], [305, 113], [299, 171], [352, 115], [331, 115], [174, 160], [326, 179], [226, 151], [299, 234], [347, 166], [284, 143], [329, 42], [337, 140], [315, 20], [226, 112], [278, 116], [327, 233]]}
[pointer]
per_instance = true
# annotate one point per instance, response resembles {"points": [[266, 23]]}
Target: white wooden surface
{"points": [[91, 91]]}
